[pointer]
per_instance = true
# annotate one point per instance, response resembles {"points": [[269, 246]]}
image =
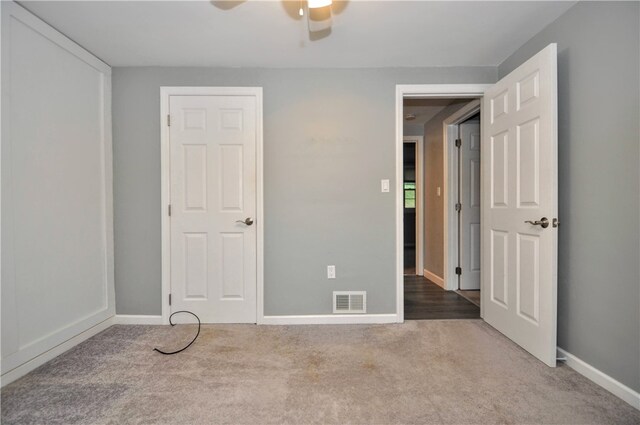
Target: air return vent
{"points": [[349, 301]]}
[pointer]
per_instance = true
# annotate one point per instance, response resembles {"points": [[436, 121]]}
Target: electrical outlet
{"points": [[331, 272]]}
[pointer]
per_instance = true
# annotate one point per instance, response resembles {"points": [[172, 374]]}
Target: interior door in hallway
{"points": [[213, 206], [520, 205], [470, 209]]}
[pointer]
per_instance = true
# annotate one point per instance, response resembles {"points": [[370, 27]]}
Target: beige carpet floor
{"points": [[421, 372]]}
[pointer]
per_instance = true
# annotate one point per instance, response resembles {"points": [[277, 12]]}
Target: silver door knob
{"points": [[248, 221], [543, 222]]}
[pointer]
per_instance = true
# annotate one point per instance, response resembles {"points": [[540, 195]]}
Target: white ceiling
{"points": [[271, 34]]}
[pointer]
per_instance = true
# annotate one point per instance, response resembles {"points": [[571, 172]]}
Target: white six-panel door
{"points": [[470, 200], [519, 173], [213, 207]]}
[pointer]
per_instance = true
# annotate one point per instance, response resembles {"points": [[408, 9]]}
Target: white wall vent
{"points": [[349, 301]]}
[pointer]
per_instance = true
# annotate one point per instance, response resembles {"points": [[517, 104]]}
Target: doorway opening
{"points": [[409, 205], [412, 186], [519, 181], [426, 185]]}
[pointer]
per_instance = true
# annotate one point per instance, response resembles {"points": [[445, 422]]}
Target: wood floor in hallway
{"points": [[424, 300]]}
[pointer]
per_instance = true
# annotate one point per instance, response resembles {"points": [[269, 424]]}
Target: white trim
{"points": [[605, 381], [453, 91], [419, 141], [259, 206], [400, 92], [434, 278], [450, 171], [330, 319], [135, 319], [417, 91], [165, 196], [165, 199], [54, 352], [107, 145]]}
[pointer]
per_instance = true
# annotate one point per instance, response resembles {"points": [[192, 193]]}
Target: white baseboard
{"points": [[329, 319], [605, 381], [38, 361], [134, 319], [434, 278]]}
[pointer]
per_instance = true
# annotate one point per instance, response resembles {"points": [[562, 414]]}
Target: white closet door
{"points": [[213, 207]]}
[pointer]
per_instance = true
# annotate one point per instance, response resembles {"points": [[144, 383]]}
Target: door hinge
{"points": [[458, 270], [169, 210], [458, 207], [168, 120], [458, 143], [169, 299]]}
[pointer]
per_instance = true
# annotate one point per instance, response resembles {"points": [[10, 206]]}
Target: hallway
{"points": [[424, 300]]}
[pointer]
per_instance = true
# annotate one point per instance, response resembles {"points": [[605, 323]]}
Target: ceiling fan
{"points": [[319, 12], [319, 18]]}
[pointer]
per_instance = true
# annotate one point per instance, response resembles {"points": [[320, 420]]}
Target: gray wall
{"points": [[599, 251], [413, 130], [328, 139]]}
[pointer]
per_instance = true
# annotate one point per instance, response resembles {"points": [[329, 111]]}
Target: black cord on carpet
{"points": [[173, 324]]}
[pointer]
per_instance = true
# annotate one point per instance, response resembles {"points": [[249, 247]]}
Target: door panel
{"points": [[499, 168], [519, 172], [195, 166], [232, 265], [231, 177], [528, 152], [213, 190], [195, 273], [499, 274], [528, 282]]}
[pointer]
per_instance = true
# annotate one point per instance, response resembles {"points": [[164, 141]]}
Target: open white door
{"points": [[520, 205], [469, 237]]}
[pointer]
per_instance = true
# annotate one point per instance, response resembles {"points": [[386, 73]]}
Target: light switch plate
{"points": [[384, 185], [331, 272], [438, 190]]}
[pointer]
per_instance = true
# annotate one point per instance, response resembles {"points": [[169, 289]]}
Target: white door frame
{"points": [[424, 91], [165, 197], [451, 241], [419, 142]]}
